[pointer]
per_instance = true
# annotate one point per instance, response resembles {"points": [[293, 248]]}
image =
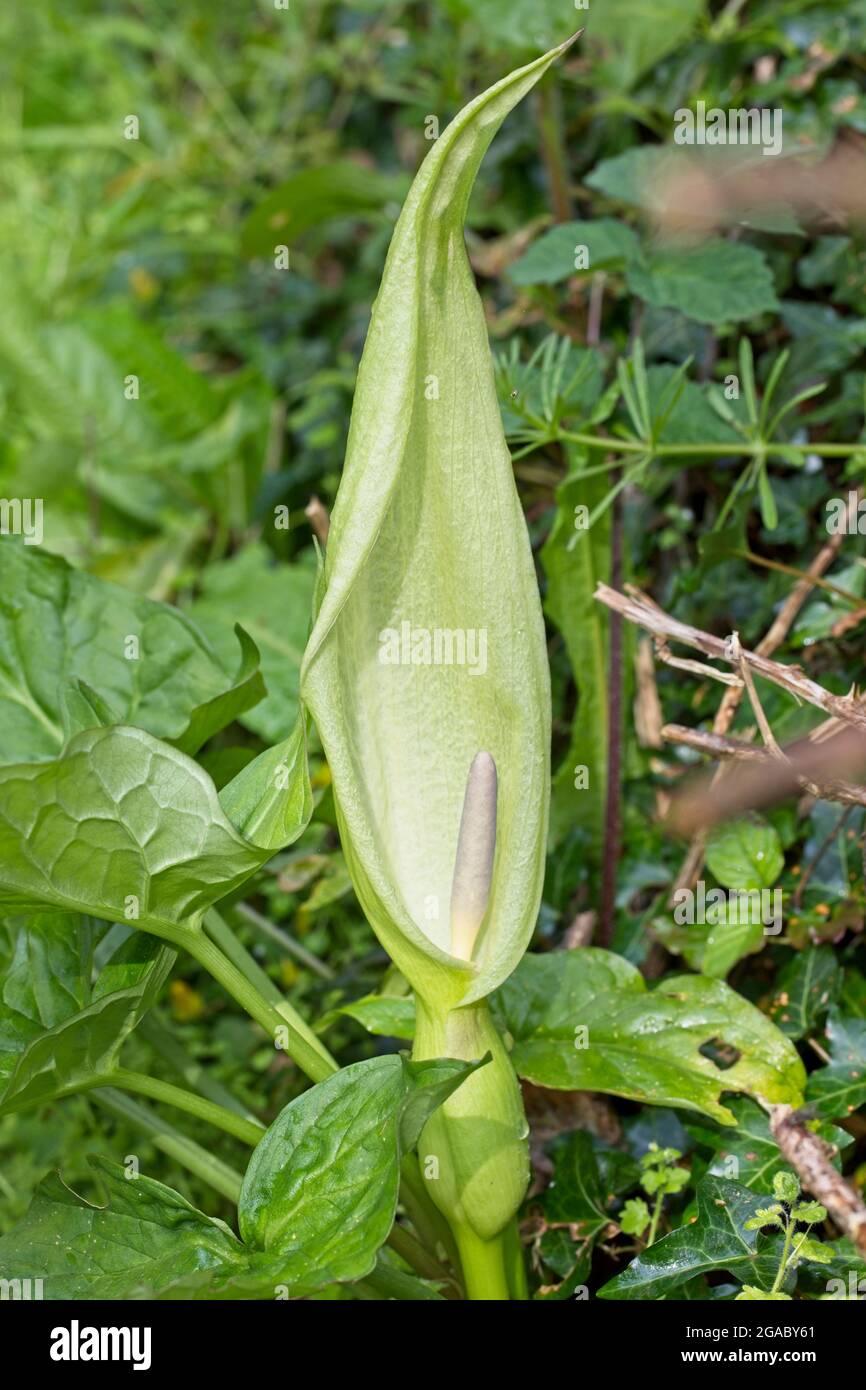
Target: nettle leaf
{"points": [[749, 1153], [840, 1087], [716, 1241], [745, 854], [428, 537], [272, 602], [81, 1049], [145, 1238], [552, 256], [120, 826], [683, 1043], [718, 282], [805, 989], [321, 1188], [89, 633]]}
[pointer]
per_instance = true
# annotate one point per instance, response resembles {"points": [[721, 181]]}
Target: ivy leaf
{"points": [[144, 662], [749, 1153], [840, 1087], [585, 1183], [715, 1242], [653, 1046], [805, 989], [320, 1191]]}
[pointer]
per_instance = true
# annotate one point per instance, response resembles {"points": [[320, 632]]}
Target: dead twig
{"points": [[810, 1157]]}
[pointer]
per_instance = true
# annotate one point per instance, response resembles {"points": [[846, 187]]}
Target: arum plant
{"points": [[426, 674]]}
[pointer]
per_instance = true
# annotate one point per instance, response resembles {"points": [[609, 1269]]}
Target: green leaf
{"points": [[805, 989], [585, 1183], [840, 1088], [321, 1187], [718, 282], [143, 662], [627, 38], [635, 1217], [641, 1044], [745, 854], [142, 1239], [427, 531], [273, 603], [315, 196], [551, 257], [749, 1154], [386, 1015], [120, 826], [715, 1242], [270, 801], [82, 1049]]}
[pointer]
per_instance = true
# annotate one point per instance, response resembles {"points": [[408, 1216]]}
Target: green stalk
{"points": [[515, 1263], [786, 1255], [168, 1140], [248, 1131], [484, 1266], [220, 932], [309, 1057], [747, 447]]}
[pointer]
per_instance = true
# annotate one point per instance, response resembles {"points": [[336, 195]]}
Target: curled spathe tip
{"points": [[473, 865]]}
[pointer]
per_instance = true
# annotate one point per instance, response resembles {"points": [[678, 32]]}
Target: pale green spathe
{"points": [[428, 536]]}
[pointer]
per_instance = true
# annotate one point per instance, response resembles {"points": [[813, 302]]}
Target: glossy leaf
{"points": [[427, 536], [715, 1242], [749, 1154], [806, 988], [146, 663], [321, 1187], [648, 1045], [840, 1088]]}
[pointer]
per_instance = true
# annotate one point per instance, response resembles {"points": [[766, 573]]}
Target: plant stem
{"points": [[272, 1017], [249, 1131], [484, 1270], [515, 1263], [211, 1170], [654, 1224], [744, 447], [786, 1254], [220, 932]]}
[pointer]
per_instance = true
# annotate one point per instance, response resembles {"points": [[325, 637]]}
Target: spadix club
{"points": [[437, 646]]}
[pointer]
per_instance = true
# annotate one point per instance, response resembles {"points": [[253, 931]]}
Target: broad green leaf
{"points": [[147, 663], [272, 602], [122, 827], [730, 936], [314, 196], [805, 989], [745, 854], [45, 967], [749, 1154], [575, 561], [428, 537], [270, 801], [653, 1045], [840, 1088], [83, 1048], [715, 1242], [552, 256], [718, 282], [145, 1237], [627, 38], [386, 1015], [321, 1188]]}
